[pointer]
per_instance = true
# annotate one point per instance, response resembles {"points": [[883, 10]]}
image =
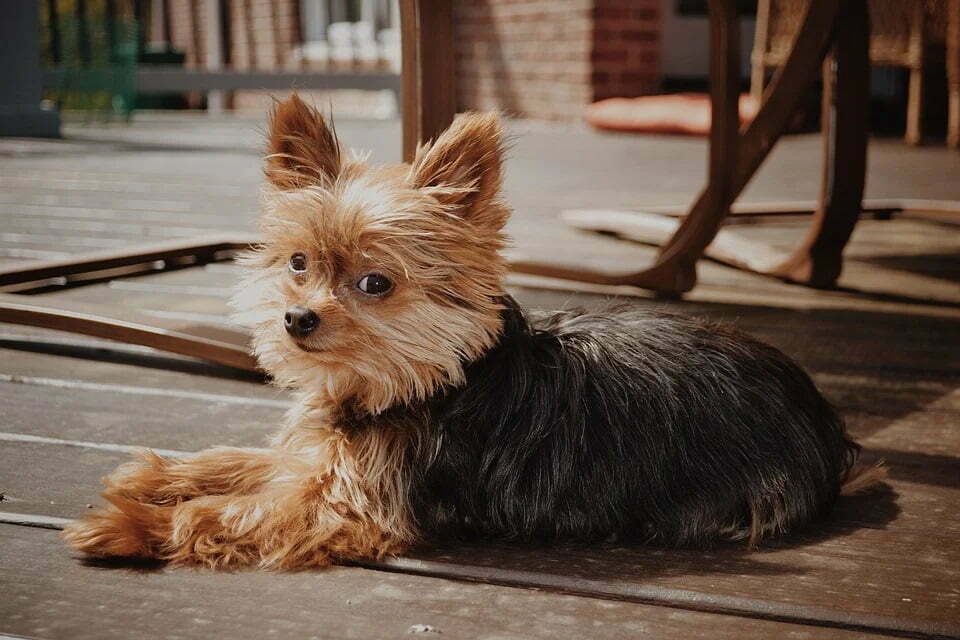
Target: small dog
{"points": [[432, 407]]}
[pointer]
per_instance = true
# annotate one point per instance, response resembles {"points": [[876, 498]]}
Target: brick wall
{"points": [[532, 58], [549, 59]]}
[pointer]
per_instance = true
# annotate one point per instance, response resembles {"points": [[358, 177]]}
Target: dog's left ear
{"points": [[463, 167], [301, 149]]}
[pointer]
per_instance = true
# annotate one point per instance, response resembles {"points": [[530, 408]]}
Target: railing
{"points": [[219, 46]]}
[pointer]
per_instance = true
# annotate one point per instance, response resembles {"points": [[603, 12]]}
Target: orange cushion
{"points": [[683, 113]]}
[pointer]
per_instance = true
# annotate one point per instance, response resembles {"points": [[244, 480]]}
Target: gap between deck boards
{"points": [[642, 594], [65, 383]]}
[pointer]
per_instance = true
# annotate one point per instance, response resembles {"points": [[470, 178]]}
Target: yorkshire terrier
{"points": [[431, 407]]}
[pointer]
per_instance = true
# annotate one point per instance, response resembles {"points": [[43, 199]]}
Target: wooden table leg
{"points": [[846, 102], [674, 269], [429, 91], [679, 256], [953, 74]]}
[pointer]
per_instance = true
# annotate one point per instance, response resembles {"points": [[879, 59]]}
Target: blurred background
{"points": [[154, 113], [530, 58]]}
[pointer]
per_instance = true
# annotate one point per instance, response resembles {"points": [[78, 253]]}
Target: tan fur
{"points": [[328, 490], [863, 477], [301, 150]]}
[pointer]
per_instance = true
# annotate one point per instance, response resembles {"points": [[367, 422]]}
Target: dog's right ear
{"points": [[301, 149]]}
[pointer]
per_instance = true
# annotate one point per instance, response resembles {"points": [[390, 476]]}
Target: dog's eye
{"points": [[374, 284], [298, 263]]}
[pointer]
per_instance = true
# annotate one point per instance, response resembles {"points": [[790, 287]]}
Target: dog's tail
{"points": [[862, 477]]}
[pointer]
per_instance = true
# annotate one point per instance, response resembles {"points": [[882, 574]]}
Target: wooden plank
{"points": [[745, 295], [57, 596], [197, 251], [898, 598], [727, 247], [39, 353], [915, 91], [136, 414], [953, 74], [154, 220], [102, 322], [866, 568], [105, 187], [57, 480], [761, 40], [429, 91], [145, 295], [743, 211]]}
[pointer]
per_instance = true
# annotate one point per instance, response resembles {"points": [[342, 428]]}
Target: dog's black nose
{"points": [[300, 321]]}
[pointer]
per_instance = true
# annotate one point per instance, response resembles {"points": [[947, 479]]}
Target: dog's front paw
{"points": [[148, 479], [126, 528], [202, 532]]}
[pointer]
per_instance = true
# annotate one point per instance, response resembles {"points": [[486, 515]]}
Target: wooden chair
{"points": [[735, 156], [902, 34], [840, 27]]}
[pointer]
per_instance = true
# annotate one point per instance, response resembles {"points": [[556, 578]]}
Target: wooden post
{"points": [[214, 53], [953, 74], [250, 33], [429, 90], [159, 26], [914, 129]]}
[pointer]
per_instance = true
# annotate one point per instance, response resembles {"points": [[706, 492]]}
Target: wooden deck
{"points": [[885, 348]]}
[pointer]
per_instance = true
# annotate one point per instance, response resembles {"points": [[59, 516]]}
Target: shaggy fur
{"points": [[435, 408]]}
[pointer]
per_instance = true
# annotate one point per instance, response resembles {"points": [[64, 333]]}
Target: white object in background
{"points": [[390, 48], [340, 38], [316, 52]]}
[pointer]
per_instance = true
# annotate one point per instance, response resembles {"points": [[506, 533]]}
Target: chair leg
{"points": [[790, 84], [758, 74], [758, 69], [679, 256], [819, 259], [674, 268], [914, 129], [953, 74]]}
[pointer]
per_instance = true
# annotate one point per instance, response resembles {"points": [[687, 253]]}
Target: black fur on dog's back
{"points": [[634, 424]]}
